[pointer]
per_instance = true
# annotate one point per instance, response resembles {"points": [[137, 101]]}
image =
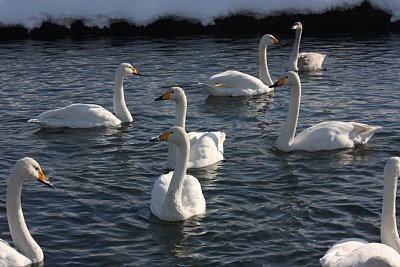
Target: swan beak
{"points": [[164, 96], [276, 41], [162, 137], [135, 72], [280, 82], [43, 179]]}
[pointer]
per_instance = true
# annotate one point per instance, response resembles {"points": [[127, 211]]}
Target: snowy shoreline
{"points": [[364, 19]]}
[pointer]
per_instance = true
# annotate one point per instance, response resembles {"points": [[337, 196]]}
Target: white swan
{"points": [[177, 196], [322, 136], [90, 115], [235, 83], [206, 148], [359, 253], [303, 61], [26, 251]]}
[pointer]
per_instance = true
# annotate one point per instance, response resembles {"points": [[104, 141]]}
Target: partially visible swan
{"points": [[206, 148], [359, 253], [26, 251], [235, 83], [303, 61], [90, 115], [327, 135], [177, 196]]}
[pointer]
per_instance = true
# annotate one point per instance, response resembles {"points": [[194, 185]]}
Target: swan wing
{"points": [[192, 196], [206, 148], [10, 257], [359, 253], [77, 116], [333, 135], [235, 83], [310, 61], [159, 192]]}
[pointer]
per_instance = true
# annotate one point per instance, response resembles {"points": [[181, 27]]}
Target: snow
{"points": [[100, 13]]}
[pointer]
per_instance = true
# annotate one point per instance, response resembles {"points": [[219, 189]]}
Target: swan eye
{"points": [[36, 168], [171, 132]]}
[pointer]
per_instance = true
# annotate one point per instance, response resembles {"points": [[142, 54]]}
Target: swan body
{"points": [[236, 83], [303, 61], [177, 196], [322, 136], [26, 251], [359, 253], [206, 148], [90, 115]]}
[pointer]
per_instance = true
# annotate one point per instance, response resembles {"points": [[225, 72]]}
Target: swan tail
{"points": [[361, 133]]}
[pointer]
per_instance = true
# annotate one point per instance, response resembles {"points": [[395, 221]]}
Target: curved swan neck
{"points": [[285, 139], [120, 109], [262, 59], [22, 239], [389, 233], [173, 199], [181, 109], [292, 64]]}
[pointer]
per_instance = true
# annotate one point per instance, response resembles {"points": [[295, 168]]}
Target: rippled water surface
{"points": [[264, 207]]}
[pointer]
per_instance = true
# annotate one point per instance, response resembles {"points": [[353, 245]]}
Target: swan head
{"points": [[28, 169], [269, 39], [175, 135], [297, 26], [126, 69], [291, 78], [175, 94], [392, 168]]}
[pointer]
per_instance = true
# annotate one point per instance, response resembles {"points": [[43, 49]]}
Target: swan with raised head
{"points": [[359, 253], [303, 61], [236, 83], [327, 135], [91, 115], [26, 251], [206, 148], [177, 196]]}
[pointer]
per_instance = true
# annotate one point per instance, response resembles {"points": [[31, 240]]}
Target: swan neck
{"points": [[262, 59], [23, 241], [292, 64], [389, 233], [173, 199], [286, 138], [181, 108], [120, 109]]}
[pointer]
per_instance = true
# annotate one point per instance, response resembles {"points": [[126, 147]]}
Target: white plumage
{"points": [[90, 115], [206, 148], [322, 136], [236, 83]]}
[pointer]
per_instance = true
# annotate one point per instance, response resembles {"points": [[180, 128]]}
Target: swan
{"points": [[327, 135], [206, 148], [236, 83], [177, 196], [303, 61], [359, 253], [90, 115], [26, 251]]}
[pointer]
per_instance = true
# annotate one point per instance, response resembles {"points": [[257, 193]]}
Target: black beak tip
{"points": [[158, 98]]}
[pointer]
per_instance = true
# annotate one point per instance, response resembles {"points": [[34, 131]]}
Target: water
{"points": [[264, 207]]}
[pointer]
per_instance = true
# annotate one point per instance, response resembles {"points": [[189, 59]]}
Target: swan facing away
{"points": [[236, 83], [206, 148], [322, 136], [26, 251], [359, 253], [177, 196], [91, 115], [303, 61]]}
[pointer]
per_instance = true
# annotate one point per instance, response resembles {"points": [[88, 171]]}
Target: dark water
{"points": [[264, 207]]}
